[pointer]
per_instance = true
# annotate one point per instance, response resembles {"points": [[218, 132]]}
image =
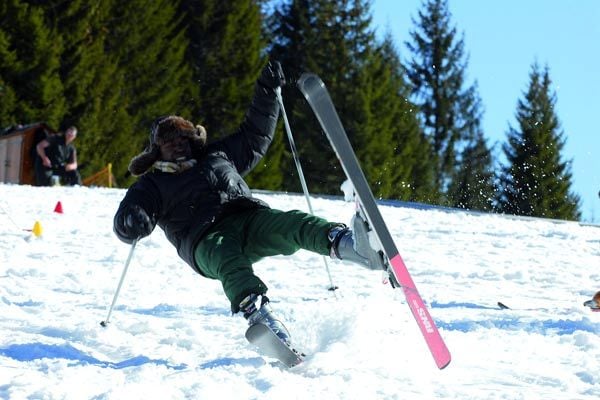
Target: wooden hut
{"points": [[17, 152]]}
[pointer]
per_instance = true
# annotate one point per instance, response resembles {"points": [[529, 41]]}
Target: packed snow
{"points": [[172, 336]]}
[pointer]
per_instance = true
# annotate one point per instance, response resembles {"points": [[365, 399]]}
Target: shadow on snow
{"points": [[454, 304], [560, 327], [38, 351]]}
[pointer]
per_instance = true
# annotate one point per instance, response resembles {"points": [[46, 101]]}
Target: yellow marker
{"points": [[37, 229]]}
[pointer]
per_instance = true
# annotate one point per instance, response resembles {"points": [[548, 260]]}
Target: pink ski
{"points": [[434, 340], [317, 96]]}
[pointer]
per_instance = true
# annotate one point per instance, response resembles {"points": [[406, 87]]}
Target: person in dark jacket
{"points": [[196, 193], [57, 157]]}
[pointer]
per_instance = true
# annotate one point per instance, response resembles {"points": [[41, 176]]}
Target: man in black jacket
{"points": [[57, 157], [196, 193]]}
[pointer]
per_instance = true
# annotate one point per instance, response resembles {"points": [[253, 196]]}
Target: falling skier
{"points": [[195, 192]]}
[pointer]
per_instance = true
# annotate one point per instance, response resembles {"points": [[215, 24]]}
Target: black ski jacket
{"points": [[185, 205]]}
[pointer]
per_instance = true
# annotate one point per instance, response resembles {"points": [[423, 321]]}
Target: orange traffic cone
{"points": [[37, 229], [58, 208]]}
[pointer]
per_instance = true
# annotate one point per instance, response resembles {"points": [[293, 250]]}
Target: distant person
{"points": [[57, 160]]}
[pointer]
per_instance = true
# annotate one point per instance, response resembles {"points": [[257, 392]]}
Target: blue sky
{"points": [[503, 38]]}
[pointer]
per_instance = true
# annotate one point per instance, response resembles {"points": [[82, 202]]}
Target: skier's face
{"points": [[176, 149]]}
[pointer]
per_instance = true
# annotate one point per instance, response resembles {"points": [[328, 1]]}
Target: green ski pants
{"points": [[233, 244]]}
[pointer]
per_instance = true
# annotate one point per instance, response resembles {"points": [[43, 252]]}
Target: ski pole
{"points": [[332, 287], [106, 321]]}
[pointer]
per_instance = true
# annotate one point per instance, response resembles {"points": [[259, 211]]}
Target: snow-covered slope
{"points": [[172, 336]]}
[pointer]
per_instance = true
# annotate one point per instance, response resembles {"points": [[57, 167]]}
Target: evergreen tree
{"points": [[122, 65], [268, 174], [8, 97], [366, 82], [403, 166], [8, 100], [334, 40], [148, 44], [226, 53], [92, 85], [472, 185], [437, 71], [422, 178], [29, 70], [294, 29], [374, 134], [535, 181]]}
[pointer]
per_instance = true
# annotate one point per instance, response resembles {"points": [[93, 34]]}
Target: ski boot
{"points": [[263, 315], [353, 245], [344, 246]]}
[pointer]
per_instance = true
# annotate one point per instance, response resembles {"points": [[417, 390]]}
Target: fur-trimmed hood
{"points": [[164, 129]]}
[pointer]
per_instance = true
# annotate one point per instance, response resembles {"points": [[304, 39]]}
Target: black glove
{"points": [[132, 223], [272, 75]]}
